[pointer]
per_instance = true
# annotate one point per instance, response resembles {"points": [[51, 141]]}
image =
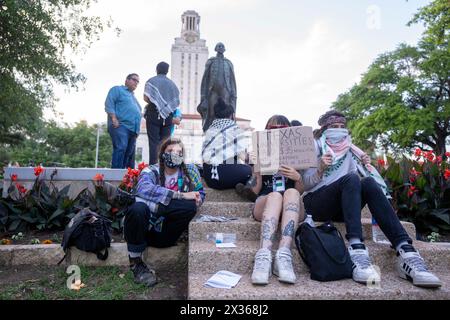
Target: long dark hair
{"points": [[223, 110], [162, 149]]}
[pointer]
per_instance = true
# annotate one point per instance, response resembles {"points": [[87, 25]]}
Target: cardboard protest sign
{"points": [[292, 146]]}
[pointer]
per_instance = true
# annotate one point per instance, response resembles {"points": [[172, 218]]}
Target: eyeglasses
{"points": [[135, 80], [277, 126]]}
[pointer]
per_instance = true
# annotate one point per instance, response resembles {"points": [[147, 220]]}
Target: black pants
{"points": [[229, 175], [158, 130], [177, 215], [343, 200]]}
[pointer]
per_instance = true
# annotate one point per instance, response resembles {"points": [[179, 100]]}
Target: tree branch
{"points": [[426, 140]]}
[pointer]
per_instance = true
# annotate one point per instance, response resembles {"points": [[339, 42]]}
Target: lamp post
{"points": [[99, 130]]}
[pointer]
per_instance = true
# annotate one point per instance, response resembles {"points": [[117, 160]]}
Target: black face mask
{"points": [[172, 160]]}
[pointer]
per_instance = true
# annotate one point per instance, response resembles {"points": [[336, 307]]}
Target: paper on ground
{"points": [[223, 279], [225, 245]]}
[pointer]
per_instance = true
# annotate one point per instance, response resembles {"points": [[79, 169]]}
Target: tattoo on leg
{"points": [[266, 230], [289, 229], [292, 206], [274, 228], [269, 228]]}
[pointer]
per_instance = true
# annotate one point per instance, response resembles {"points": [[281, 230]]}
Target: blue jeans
{"points": [[124, 145], [343, 200]]}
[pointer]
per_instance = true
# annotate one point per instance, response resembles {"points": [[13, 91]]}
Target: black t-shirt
{"points": [[268, 182], [152, 115]]}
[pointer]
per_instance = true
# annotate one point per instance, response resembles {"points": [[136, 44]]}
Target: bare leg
{"points": [[260, 203], [267, 209], [270, 220], [292, 214]]}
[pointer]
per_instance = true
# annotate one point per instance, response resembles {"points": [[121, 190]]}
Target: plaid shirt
{"points": [[151, 193]]}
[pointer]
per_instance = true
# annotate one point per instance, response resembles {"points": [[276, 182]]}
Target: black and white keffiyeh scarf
{"points": [[163, 93], [224, 142]]}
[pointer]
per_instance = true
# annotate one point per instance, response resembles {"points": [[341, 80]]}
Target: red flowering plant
{"points": [[420, 187], [42, 206], [129, 180], [111, 201]]}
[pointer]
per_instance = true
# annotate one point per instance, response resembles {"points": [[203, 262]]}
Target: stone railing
{"points": [[78, 178]]}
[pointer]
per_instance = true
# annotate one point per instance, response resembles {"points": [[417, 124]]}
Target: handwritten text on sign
{"points": [[293, 146]]}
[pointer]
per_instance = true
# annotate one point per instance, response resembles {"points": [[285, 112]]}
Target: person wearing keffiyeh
{"points": [[224, 151], [343, 183], [163, 98]]}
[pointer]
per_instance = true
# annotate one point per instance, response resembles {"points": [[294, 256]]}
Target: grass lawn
{"points": [[102, 283]]}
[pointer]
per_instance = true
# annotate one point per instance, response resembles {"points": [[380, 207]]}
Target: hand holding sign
{"points": [[290, 173]]}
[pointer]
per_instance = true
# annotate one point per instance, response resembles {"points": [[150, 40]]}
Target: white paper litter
{"points": [[223, 279], [225, 245]]}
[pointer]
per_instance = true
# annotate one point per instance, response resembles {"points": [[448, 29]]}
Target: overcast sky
{"points": [[291, 57]]}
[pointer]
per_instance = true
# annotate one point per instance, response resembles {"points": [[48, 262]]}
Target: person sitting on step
{"points": [[335, 191], [168, 195], [224, 150], [278, 196]]}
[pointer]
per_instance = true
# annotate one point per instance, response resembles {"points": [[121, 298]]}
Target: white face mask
{"points": [[335, 135]]}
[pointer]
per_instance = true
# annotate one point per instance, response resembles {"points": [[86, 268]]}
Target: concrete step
{"points": [[228, 195], [204, 256], [391, 288], [216, 207], [50, 254], [365, 213], [249, 229], [227, 209]]}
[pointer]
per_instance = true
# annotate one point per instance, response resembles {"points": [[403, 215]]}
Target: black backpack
{"points": [[324, 252], [88, 231]]}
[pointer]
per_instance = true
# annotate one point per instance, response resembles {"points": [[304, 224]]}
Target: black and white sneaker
{"points": [[411, 266], [142, 273], [363, 271]]}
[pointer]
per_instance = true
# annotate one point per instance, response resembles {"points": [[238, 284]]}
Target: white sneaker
{"points": [[411, 266], [282, 266], [363, 271], [262, 267]]}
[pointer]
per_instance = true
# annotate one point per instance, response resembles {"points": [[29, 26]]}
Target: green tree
{"points": [[37, 39], [71, 146], [402, 101]]}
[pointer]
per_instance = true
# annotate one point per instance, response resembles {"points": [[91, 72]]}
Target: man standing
{"points": [[218, 82], [124, 121], [163, 99]]}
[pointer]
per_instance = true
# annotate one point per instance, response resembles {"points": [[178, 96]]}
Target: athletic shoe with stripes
{"points": [[363, 271], [411, 266]]}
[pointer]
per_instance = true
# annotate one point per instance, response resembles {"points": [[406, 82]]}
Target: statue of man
{"points": [[218, 81]]}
